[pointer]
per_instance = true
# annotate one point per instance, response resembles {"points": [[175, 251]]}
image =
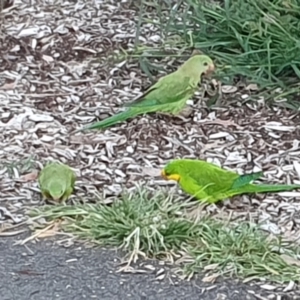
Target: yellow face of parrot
{"points": [[169, 176]]}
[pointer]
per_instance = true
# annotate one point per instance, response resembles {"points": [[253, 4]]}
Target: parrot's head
{"points": [[172, 171], [56, 190], [200, 65]]}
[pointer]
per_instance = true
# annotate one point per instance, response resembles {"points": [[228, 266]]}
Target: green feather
{"points": [[122, 116], [245, 179]]}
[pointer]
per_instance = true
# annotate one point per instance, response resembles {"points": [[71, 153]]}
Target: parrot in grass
{"points": [[56, 182], [210, 183], [168, 95]]}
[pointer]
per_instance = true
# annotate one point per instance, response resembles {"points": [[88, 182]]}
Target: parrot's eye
{"points": [[205, 64]]}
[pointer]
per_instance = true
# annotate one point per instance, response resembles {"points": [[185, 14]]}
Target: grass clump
{"points": [[14, 168], [258, 40], [159, 226], [243, 251]]}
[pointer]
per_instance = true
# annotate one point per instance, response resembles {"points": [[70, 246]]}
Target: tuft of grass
{"points": [[244, 251], [256, 40], [19, 166], [159, 226]]}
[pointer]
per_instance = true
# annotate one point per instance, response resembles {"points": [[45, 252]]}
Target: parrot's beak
{"points": [[175, 177], [210, 69], [56, 199], [163, 174]]}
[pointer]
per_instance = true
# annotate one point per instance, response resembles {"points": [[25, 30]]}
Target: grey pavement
{"points": [[46, 271]]}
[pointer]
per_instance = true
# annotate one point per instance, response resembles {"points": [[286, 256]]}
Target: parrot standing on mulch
{"points": [[210, 183], [168, 95], [56, 182]]}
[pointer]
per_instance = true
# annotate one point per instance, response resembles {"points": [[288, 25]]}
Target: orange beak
{"points": [[175, 177]]}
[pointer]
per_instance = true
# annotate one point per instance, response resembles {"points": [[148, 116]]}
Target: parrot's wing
{"points": [[65, 175], [73, 178], [245, 179], [192, 187], [213, 178], [169, 89], [70, 178], [43, 178]]}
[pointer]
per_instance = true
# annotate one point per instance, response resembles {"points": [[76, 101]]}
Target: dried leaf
{"points": [[251, 87], [290, 260], [151, 172], [211, 278], [8, 86], [29, 176], [297, 167], [229, 89]]}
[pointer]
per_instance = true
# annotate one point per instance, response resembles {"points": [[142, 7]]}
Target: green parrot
{"points": [[210, 183], [56, 182], [168, 95]]}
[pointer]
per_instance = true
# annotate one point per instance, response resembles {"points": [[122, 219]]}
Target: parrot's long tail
{"points": [[122, 116], [264, 188]]}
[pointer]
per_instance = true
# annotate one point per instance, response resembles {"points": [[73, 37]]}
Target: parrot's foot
{"points": [[166, 114], [47, 200], [182, 114], [186, 112]]}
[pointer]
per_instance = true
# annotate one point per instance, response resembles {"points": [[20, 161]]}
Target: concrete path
{"points": [[45, 271]]}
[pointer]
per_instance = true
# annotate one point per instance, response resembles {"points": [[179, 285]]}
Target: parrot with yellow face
{"points": [[210, 183], [168, 95]]}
